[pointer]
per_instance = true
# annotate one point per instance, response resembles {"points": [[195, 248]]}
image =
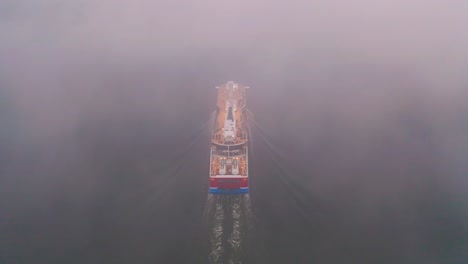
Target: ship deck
{"points": [[238, 96], [229, 148]]}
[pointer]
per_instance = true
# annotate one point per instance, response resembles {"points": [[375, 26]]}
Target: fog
{"points": [[365, 101]]}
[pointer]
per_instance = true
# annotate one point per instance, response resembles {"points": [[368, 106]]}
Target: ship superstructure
{"points": [[229, 151]]}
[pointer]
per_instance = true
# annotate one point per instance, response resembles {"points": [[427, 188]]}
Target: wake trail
{"points": [[235, 239], [216, 234], [229, 218]]}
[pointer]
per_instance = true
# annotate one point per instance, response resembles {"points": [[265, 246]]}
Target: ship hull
{"points": [[229, 185]]}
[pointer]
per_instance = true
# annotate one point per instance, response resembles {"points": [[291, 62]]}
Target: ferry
{"points": [[229, 170]]}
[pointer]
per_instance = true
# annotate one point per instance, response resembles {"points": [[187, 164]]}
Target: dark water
{"points": [[133, 192]]}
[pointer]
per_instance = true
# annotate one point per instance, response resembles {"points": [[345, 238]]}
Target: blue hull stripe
{"points": [[229, 191]]}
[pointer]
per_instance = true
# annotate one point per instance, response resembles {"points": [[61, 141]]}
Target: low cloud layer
{"points": [[365, 97]]}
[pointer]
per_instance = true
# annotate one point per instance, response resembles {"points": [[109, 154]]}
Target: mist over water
{"points": [[360, 136]]}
